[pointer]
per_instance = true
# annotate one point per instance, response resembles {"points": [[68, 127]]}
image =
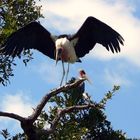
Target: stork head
{"points": [[83, 75]]}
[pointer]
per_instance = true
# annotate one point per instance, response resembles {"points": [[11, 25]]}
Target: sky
{"points": [[105, 69]]}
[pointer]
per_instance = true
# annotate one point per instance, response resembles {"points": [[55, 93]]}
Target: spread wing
{"points": [[31, 36], [94, 31]]}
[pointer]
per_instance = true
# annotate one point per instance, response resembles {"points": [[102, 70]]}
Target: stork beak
{"points": [[56, 57], [58, 54], [86, 78]]}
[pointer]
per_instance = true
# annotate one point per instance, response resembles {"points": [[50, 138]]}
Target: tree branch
{"points": [[27, 123], [46, 98], [62, 112], [12, 115]]}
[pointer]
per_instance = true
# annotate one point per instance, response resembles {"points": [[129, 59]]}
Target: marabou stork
{"points": [[83, 75], [78, 94], [67, 48]]}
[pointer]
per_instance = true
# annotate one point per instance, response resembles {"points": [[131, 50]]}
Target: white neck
{"points": [[68, 46]]}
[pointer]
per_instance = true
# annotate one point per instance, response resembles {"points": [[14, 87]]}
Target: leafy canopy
{"points": [[13, 15]]}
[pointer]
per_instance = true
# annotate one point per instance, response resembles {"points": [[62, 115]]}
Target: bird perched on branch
{"points": [[67, 48], [83, 75], [78, 94]]}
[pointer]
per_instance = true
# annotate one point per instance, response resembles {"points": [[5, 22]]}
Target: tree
{"points": [[13, 15], [85, 123], [71, 117]]}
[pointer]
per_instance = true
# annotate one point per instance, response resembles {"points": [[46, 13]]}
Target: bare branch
{"points": [[46, 98], [12, 115]]}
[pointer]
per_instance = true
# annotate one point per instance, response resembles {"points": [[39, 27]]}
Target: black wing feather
{"points": [[94, 31], [31, 36]]}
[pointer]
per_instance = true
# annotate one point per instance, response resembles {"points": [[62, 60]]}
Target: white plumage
{"points": [[68, 48]]}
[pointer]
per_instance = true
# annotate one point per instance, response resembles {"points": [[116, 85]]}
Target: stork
{"points": [[83, 75], [67, 48], [78, 94]]}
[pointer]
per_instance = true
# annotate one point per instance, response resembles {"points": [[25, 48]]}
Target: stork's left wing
{"points": [[31, 36], [94, 31]]}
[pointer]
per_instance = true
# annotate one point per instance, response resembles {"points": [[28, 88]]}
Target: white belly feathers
{"points": [[68, 47]]}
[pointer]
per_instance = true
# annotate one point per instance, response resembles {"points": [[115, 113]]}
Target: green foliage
{"points": [[5, 69], [6, 135], [109, 95], [82, 124], [13, 15]]}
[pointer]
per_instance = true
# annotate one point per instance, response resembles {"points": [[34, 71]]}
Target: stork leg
{"points": [[63, 73], [67, 72]]}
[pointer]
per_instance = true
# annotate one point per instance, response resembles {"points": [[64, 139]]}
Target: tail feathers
{"points": [[79, 60]]}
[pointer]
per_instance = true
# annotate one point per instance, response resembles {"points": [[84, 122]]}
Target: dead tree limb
{"points": [[12, 115]]}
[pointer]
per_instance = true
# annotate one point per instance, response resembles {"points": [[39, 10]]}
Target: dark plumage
{"points": [[95, 31], [31, 36], [35, 36]]}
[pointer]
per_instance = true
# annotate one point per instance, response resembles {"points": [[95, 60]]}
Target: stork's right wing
{"points": [[31, 36], [95, 31]]}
